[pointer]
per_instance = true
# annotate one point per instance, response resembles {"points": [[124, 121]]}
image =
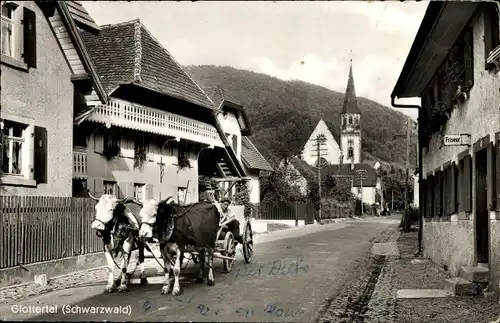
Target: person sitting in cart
{"points": [[234, 225]]}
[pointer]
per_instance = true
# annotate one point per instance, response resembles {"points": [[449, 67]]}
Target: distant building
{"points": [[44, 68], [346, 163], [453, 66], [330, 150]]}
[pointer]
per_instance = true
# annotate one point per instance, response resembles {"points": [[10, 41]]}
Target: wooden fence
{"points": [[285, 211], [35, 229]]}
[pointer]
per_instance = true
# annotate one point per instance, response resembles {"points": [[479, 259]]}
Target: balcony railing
{"points": [[133, 116], [79, 163]]}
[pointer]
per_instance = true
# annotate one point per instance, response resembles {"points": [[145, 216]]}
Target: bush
{"points": [[333, 209]]}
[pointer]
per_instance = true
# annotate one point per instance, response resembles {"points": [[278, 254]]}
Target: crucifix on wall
{"points": [[162, 168]]}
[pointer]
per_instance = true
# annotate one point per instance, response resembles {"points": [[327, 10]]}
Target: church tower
{"points": [[350, 129]]}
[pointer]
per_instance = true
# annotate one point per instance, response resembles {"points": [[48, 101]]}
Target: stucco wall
{"points": [[332, 152], [416, 191], [369, 194], [44, 97], [452, 243], [255, 187], [121, 170], [449, 243]]}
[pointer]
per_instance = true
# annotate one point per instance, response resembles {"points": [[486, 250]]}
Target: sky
{"points": [[311, 41]]}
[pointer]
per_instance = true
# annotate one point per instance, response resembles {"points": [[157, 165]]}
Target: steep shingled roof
{"points": [[350, 100], [218, 94], [251, 156], [127, 53]]}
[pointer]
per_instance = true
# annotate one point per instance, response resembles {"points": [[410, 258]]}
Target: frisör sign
{"points": [[457, 140]]}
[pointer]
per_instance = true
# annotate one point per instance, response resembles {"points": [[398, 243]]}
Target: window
{"points": [[360, 190], [111, 140], [139, 192], [350, 120], [350, 153], [14, 147], [19, 34], [491, 29], [8, 26], [350, 142], [110, 187]]}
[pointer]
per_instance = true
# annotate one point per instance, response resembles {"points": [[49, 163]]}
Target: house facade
{"points": [[256, 166], [159, 131], [457, 78], [236, 127], [44, 66]]}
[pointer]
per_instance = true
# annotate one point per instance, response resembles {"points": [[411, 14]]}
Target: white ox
{"points": [[115, 224]]}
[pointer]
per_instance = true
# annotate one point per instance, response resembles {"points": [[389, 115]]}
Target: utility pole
{"points": [[392, 203], [320, 152], [361, 174]]}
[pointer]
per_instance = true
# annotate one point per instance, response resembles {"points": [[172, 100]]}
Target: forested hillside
{"points": [[284, 113]]}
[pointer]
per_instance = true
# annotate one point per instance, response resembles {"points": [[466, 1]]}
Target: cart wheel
{"points": [[196, 258], [248, 243], [229, 251]]}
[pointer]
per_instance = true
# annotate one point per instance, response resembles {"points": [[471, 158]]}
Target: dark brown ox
{"points": [[118, 228], [181, 229]]}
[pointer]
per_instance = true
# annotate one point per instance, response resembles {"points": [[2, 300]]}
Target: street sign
{"points": [[457, 140]]}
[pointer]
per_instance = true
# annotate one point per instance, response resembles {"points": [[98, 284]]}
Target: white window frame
{"points": [[26, 177], [110, 184], [142, 196], [17, 32]]}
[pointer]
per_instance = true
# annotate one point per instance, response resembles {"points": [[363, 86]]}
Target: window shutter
{"points": [[423, 188], [40, 154], [430, 196], [149, 191], [444, 181], [497, 174], [490, 173], [468, 59], [467, 183], [454, 186], [98, 187], [98, 143], [490, 30], [29, 25], [438, 187]]}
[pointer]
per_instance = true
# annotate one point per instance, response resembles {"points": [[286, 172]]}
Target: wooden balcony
{"points": [[79, 163], [133, 116]]}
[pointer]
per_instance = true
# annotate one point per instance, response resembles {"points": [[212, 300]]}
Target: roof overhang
{"points": [[241, 116], [443, 22]]}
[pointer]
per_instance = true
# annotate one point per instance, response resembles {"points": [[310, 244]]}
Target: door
{"points": [[481, 207]]}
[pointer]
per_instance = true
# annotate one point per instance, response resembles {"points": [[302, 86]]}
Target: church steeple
{"points": [[350, 117], [350, 101]]}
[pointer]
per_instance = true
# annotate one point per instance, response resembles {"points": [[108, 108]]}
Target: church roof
{"points": [[350, 100]]}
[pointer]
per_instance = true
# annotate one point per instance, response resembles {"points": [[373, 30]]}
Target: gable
{"points": [[321, 127], [65, 32]]}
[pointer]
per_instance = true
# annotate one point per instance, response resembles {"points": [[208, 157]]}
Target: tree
{"points": [[280, 186]]}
